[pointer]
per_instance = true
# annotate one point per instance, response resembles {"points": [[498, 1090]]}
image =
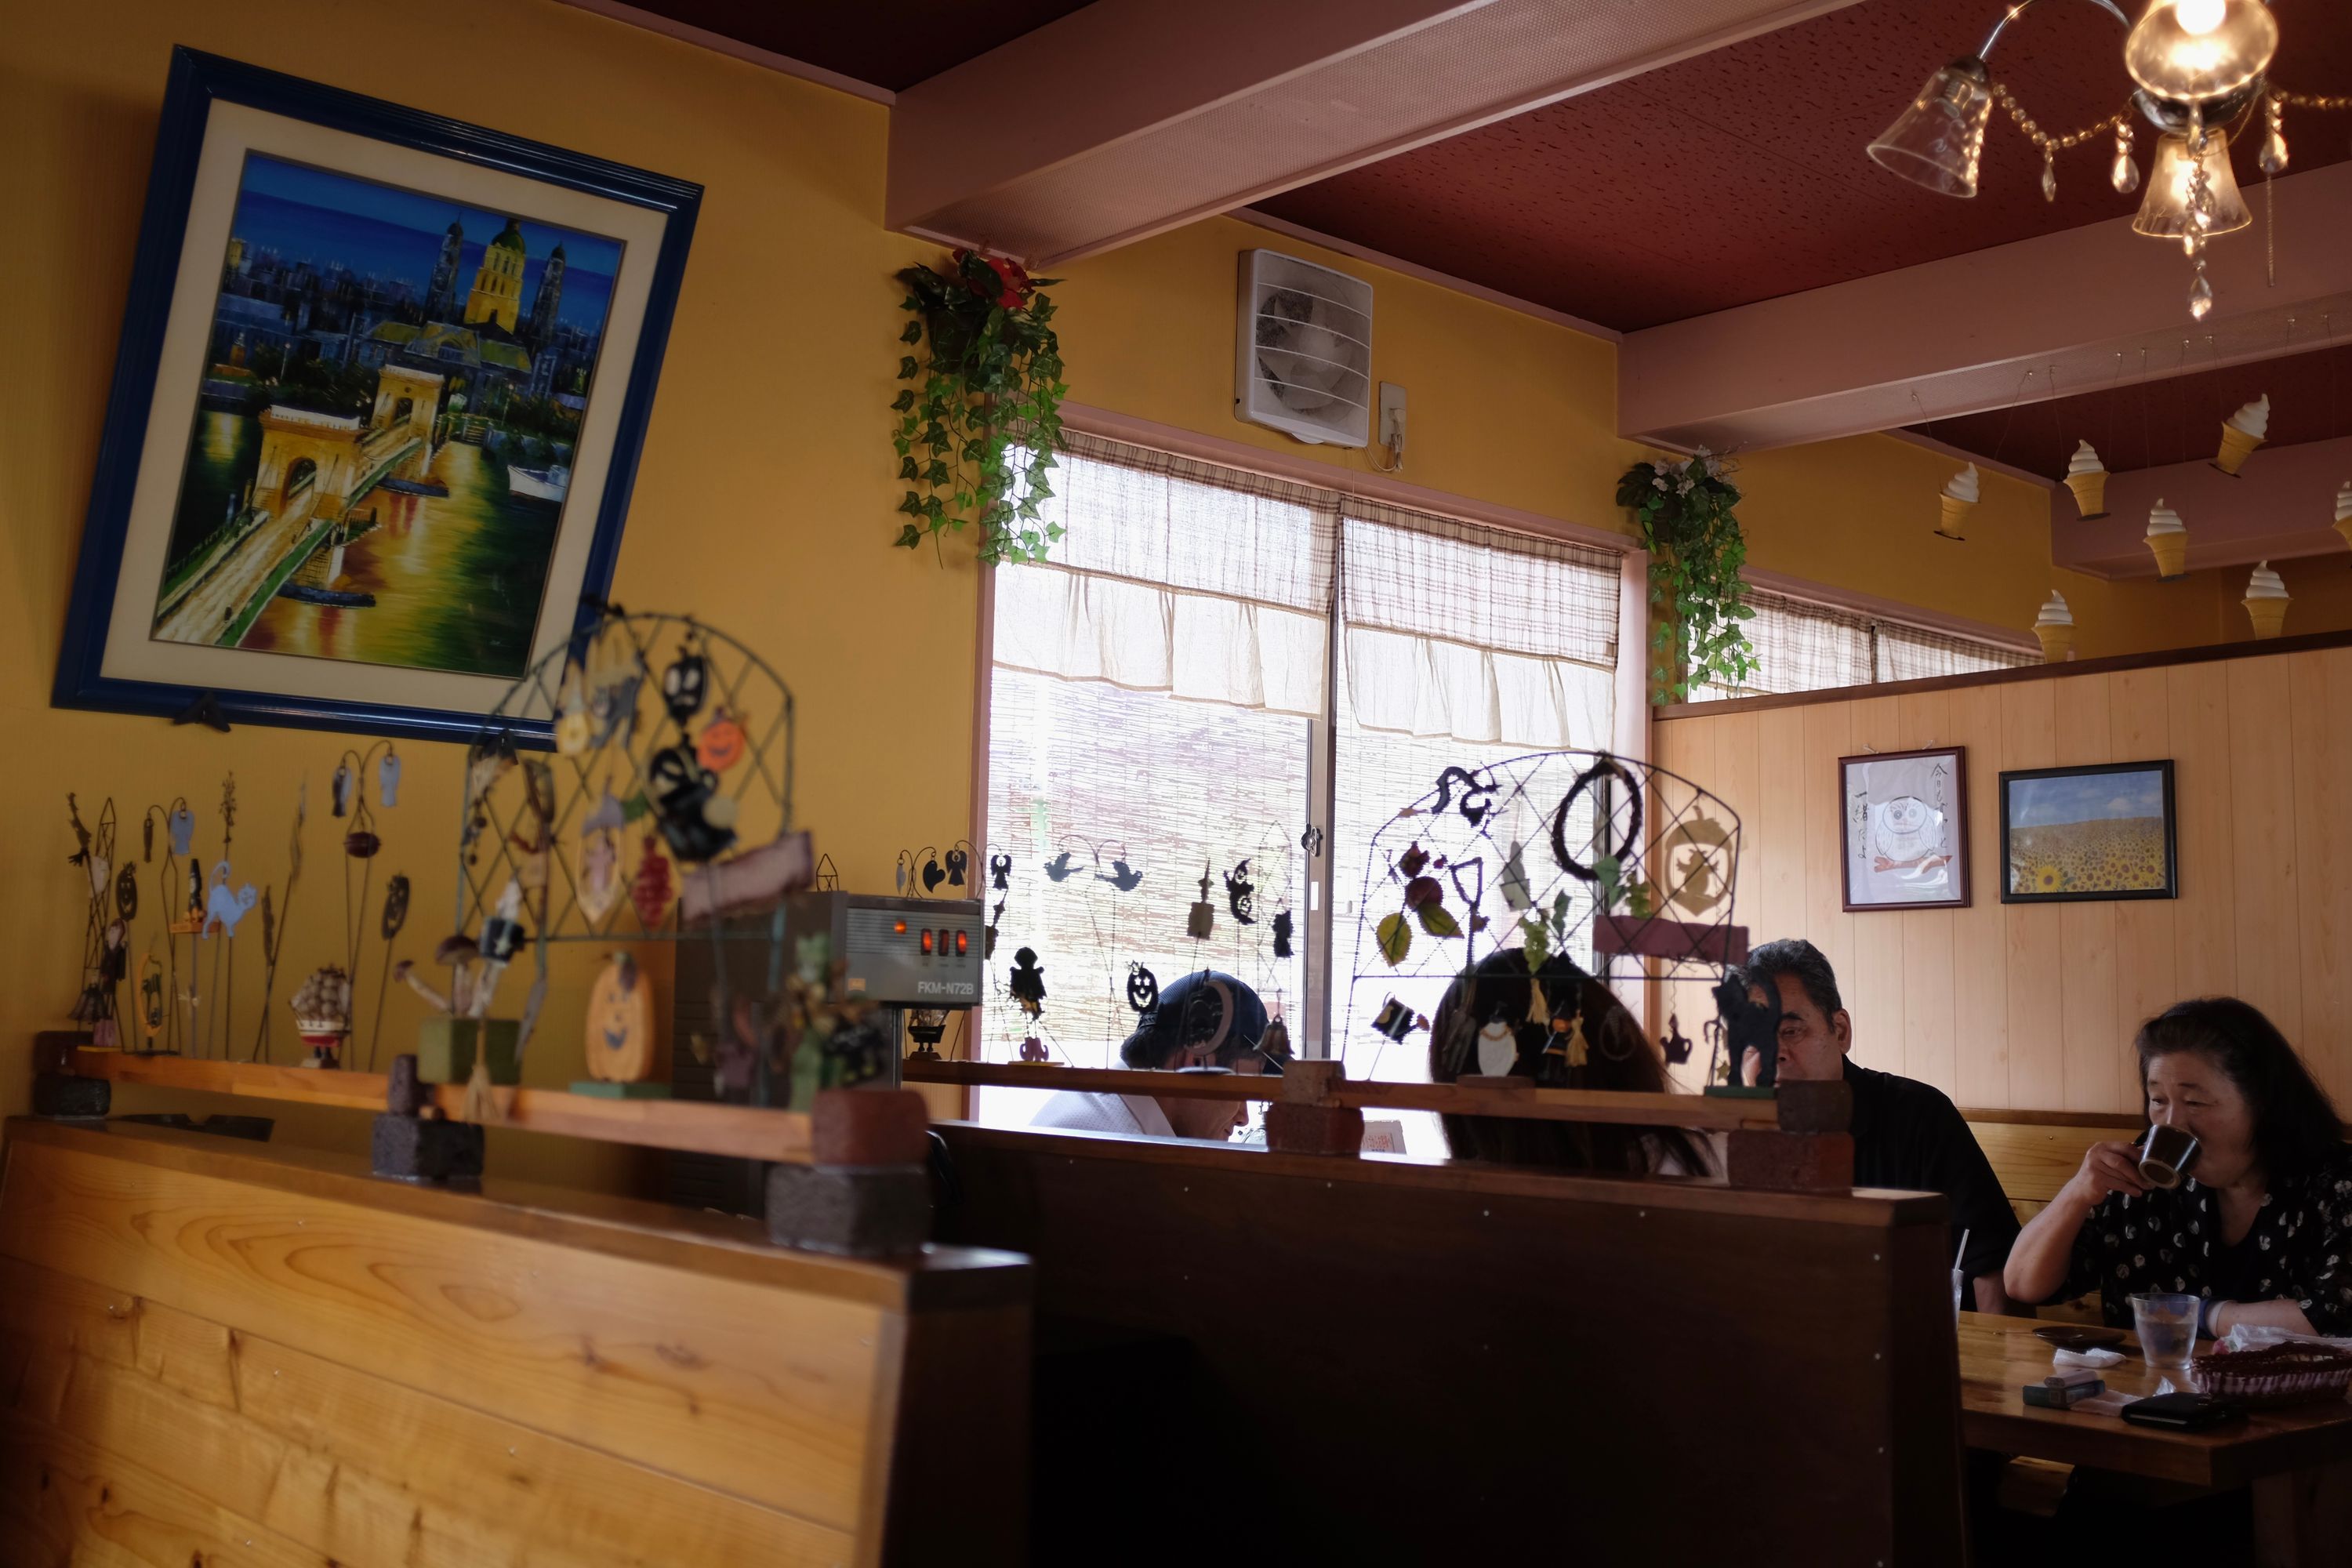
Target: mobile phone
{"points": [[2182, 1411]]}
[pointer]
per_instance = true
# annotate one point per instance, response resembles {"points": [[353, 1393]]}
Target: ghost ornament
{"points": [[1498, 1049], [183, 830], [387, 780], [683, 684]]}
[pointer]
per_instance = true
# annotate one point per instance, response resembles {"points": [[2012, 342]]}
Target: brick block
{"points": [[1790, 1161], [417, 1151], [1820, 1106], [864, 1213], [1308, 1082], [1295, 1129], [870, 1127], [63, 1096]]}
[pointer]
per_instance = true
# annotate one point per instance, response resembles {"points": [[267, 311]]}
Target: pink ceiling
{"points": [[2159, 423], [1739, 175], [893, 44]]}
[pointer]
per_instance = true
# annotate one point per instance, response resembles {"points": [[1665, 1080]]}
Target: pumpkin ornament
{"points": [[720, 744], [619, 1030]]}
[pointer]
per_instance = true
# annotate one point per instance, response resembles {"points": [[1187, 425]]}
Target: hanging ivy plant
{"points": [[976, 440], [1685, 512]]}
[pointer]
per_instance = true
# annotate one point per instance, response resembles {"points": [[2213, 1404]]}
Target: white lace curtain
{"points": [[1805, 646], [1461, 631], [1175, 577], [1215, 585]]}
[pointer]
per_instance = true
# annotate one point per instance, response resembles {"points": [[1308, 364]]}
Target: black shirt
{"points": [[1907, 1135], [2171, 1242]]}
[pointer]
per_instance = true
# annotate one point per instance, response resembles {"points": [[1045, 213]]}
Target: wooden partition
{"points": [[2033, 1006], [1398, 1361], [217, 1353]]}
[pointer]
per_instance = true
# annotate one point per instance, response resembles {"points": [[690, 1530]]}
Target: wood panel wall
{"points": [[2033, 1007], [222, 1355]]}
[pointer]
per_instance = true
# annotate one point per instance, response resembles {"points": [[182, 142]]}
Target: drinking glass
{"points": [[1960, 1291], [2167, 1330]]}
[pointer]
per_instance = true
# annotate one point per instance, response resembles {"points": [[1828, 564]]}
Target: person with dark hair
{"points": [[1206, 1020], [1492, 1011], [2260, 1224], [1906, 1134]]}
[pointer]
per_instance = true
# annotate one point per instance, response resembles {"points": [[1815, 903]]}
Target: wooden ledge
{"points": [[1485, 1098], [1873, 1207], [698, 1242]]}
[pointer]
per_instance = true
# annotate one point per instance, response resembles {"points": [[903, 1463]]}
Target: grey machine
{"points": [[920, 961]]}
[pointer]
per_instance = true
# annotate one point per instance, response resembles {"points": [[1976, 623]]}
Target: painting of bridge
{"points": [[390, 416]]}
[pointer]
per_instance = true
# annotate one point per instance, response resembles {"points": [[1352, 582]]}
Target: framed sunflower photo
{"points": [[2082, 834]]}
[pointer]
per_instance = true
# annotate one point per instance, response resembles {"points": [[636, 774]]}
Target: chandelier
{"points": [[2201, 72]]}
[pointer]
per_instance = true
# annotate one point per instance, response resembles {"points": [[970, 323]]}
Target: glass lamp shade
{"points": [[1940, 139], [2164, 214], [2195, 50]]}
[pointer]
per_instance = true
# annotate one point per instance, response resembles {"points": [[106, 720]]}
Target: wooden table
{"points": [[2298, 1461]]}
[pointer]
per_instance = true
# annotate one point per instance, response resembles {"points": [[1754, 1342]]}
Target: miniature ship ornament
{"points": [[322, 1015], [1202, 921], [1028, 982]]}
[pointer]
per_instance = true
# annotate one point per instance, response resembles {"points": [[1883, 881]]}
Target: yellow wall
{"points": [[762, 504]]}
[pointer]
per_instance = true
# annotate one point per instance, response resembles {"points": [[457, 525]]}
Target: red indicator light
{"points": [[901, 927], [927, 944], [963, 944]]}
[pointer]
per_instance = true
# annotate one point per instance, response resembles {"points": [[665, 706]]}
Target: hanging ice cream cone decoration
{"points": [[2266, 602], [2168, 541], [2086, 476], [2344, 511], [2243, 432], [2055, 627], [1961, 492]]}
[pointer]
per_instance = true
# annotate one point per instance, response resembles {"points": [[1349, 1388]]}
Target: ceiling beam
{"points": [[1128, 117], [2083, 309], [2281, 505]]}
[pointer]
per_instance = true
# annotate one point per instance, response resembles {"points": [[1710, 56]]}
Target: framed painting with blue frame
{"points": [[377, 413]]}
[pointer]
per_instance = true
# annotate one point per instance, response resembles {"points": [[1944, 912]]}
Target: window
{"points": [[1806, 647], [1217, 662]]}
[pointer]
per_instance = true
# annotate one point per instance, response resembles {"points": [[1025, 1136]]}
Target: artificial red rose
{"points": [[1012, 279]]}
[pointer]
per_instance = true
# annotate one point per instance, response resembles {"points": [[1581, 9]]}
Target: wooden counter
{"points": [[213, 1350]]}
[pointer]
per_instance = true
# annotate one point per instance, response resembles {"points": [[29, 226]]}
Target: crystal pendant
{"points": [[2126, 173], [2200, 295], [2274, 152], [2049, 178]]}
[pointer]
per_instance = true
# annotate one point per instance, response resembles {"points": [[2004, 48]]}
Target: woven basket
{"points": [[2277, 1374]]}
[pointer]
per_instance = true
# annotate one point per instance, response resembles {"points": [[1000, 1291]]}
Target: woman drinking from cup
{"points": [[2239, 1196]]}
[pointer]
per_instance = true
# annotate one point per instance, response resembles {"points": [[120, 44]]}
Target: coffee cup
{"points": [[2165, 1154]]}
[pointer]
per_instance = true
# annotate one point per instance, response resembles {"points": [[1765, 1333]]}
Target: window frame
{"points": [[1630, 715]]}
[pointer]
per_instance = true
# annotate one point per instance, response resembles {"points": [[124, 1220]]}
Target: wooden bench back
{"points": [[213, 1350], [1413, 1360]]}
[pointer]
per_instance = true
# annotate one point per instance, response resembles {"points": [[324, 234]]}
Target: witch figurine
{"points": [[1028, 982]]}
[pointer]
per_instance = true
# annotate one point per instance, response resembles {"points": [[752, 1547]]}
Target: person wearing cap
{"points": [[1207, 1019]]}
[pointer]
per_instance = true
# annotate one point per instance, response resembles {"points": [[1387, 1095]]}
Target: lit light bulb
{"points": [[2198, 18]]}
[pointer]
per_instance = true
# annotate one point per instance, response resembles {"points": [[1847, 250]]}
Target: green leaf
{"points": [[907, 368], [903, 402], [913, 333], [1395, 938], [907, 469], [910, 536], [1437, 920]]}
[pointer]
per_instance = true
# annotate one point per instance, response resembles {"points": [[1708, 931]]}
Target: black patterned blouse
{"points": [[2172, 1241]]}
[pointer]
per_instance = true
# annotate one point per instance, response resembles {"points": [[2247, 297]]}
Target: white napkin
{"points": [[2092, 1357]]}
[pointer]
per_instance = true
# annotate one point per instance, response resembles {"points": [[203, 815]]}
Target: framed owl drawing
{"points": [[1904, 817]]}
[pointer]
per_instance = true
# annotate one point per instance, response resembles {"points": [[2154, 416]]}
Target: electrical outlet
{"points": [[1391, 426]]}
